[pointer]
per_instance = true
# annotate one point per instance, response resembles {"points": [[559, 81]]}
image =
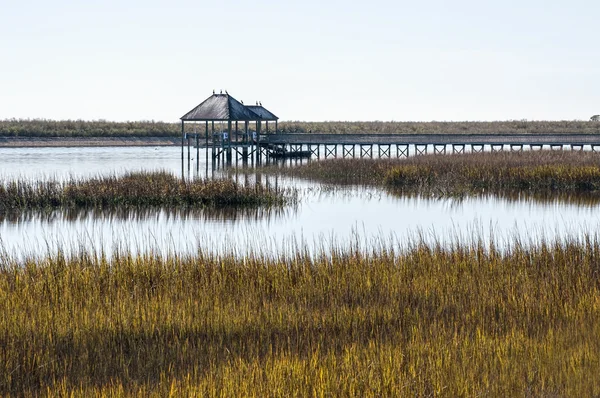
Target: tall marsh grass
{"points": [[103, 128], [138, 189], [538, 172], [463, 321]]}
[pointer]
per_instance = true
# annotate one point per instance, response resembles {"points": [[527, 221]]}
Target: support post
{"points": [[475, 148], [182, 139], [197, 151], [228, 143], [214, 143], [458, 148], [188, 145], [258, 152], [401, 151], [182, 143], [420, 149]]}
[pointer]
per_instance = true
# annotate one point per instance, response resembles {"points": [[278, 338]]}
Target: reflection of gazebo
{"points": [[223, 108]]}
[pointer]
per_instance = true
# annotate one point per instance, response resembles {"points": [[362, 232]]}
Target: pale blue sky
{"points": [[305, 60]]}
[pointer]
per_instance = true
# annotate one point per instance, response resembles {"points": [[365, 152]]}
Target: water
{"points": [[323, 216]]}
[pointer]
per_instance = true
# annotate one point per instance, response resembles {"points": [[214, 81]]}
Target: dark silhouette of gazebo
{"points": [[223, 108]]}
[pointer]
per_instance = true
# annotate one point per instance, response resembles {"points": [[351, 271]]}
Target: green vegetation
{"points": [[141, 189], [501, 172], [81, 128], [427, 321], [100, 128], [498, 127]]}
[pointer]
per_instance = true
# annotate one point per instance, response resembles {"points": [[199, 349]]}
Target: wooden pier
{"points": [[403, 145], [232, 138]]}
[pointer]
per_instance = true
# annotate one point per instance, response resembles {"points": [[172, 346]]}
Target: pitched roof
{"points": [[221, 107], [262, 112]]}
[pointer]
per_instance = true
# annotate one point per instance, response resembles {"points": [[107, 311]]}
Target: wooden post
{"points": [[258, 153], [228, 143], [188, 145], [182, 139], [214, 146], [197, 151]]}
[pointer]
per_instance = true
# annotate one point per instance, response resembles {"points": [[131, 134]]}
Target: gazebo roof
{"points": [[262, 112], [222, 107]]}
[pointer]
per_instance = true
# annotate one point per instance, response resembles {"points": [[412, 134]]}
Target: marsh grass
{"points": [[103, 128], [467, 320], [539, 172], [138, 189]]}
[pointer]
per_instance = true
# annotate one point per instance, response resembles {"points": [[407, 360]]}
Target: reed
{"points": [[467, 320], [549, 172], [103, 128], [138, 189]]}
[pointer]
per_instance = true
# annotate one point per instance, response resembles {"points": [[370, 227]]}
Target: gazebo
{"points": [[224, 109]]}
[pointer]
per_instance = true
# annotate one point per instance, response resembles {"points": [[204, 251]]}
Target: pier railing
{"points": [[433, 139]]}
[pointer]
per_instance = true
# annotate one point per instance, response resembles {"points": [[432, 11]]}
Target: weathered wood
{"points": [[366, 150], [439, 139], [420, 149], [347, 150], [329, 150], [384, 150], [439, 149], [182, 140], [401, 151], [458, 148]]}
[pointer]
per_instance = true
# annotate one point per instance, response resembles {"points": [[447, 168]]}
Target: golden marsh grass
{"points": [[136, 189], [467, 320], [538, 172]]}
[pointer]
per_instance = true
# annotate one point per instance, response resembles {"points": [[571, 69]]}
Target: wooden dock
{"points": [[433, 139], [325, 146], [403, 145]]}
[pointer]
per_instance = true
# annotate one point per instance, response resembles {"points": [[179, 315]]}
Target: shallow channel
{"points": [[323, 216]]}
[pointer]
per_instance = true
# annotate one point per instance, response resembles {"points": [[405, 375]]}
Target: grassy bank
{"points": [[535, 172], [466, 321], [81, 128], [141, 189]]}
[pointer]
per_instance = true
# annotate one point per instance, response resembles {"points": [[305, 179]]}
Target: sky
{"points": [[304, 60]]}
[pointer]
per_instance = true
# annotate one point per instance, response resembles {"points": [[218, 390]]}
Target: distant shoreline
{"points": [[40, 142]]}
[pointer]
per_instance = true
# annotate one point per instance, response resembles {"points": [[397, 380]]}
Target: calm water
{"points": [[323, 216]]}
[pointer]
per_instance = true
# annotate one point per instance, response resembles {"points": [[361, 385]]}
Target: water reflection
{"points": [[211, 214], [583, 199], [324, 212]]}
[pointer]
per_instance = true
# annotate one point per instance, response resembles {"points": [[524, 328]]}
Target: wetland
{"points": [[122, 274]]}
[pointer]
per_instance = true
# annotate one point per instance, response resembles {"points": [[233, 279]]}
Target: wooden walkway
{"points": [[391, 145], [433, 139]]}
